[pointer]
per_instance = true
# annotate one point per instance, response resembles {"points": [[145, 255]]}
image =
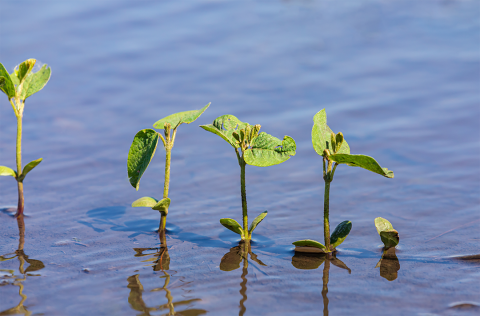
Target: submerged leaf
{"points": [[145, 201], [29, 167], [162, 206], [362, 161], [224, 126], [8, 88], [141, 153], [179, 118], [257, 221], [321, 135], [309, 243], [233, 225], [388, 235], [5, 171], [340, 233], [268, 150]]}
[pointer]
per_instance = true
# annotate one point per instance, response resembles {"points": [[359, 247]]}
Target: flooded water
{"points": [[400, 79]]}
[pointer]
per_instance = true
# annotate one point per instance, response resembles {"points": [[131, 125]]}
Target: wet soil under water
{"points": [[399, 79]]}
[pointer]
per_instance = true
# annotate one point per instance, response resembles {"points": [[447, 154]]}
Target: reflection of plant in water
{"points": [[334, 150], [141, 153], [261, 150], [231, 261], [313, 261], [18, 86], [34, 265], [389, 264]]}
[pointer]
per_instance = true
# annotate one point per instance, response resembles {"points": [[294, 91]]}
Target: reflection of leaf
{"points": [[231, 260], [233, 225], [321, 135], [163, 261], [268, 150], [179, 118], [362, 161], [257, 221], [388, 235], [340, 233], [389, 264], [141, 153], [35, 265], [255, 258], [307, 261], [339, 263]]}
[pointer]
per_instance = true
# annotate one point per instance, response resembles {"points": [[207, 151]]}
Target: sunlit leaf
{"points": [[2, 81], [29, 167], [268, 150], [179, 118], [362, 161], [141, 153], [224, 126], [162, 206], [5, 171], [36, 81], [24, 69], [233, 225], [309, 243], [388, 235], [145, 201], [257, 221], [340, 233], [321, 135], [8, 88]]}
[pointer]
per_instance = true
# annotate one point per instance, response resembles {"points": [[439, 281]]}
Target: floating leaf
{"points": [[162, 206], [268, 150], [5, 171], [388, 235], [340, 233], [179, 118], [35, 82], [145, 201], [8, 88], [29, 167], [233, 225], [141, 153], [308, 261], [224, 126], [309, 243], [362, 161], [321, 135], [257, 221]]}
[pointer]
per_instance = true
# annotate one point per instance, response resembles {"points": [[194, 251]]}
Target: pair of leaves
{"points": [[145, 143], [388, 235], [22, 82], [265, 150], [338, 236], [235, 227], [161, 206], [322, 138], [5, 171]]}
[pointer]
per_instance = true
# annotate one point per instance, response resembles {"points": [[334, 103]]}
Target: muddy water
{"points": [[400, 79]]}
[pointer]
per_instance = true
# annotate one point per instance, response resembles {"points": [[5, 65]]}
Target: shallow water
{"points": [[400, 79]]}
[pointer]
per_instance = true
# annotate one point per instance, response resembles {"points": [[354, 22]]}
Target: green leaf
{"points": [[224, 126], [179, 118], [29, 167], [321, 135], [309, 243], [5, 171], [388, 235], [362, 161], [233, 225], [24, 69], [268, 150], [162, 206], [257, 221], [2, 81], [141, 153], [8, 88], [340, 233], [145, 201], [35, 81]]}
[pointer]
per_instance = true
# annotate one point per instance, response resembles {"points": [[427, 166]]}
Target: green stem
{"points": [[166, 185], [326, 223], [244, 200], [21, 201]]}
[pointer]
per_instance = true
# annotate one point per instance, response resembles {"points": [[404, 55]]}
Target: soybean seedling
{"points": [[388, 235], [18, 86], [141, 153], [334, 150], [252, 148]]}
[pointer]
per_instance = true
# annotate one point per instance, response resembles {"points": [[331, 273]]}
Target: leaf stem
{"points": [[21, 201]]}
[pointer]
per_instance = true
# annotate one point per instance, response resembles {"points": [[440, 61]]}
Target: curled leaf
{"points": [[145, 201], [362, 161], [233, 225], [224, 126], [321, 135], [340, 233], [338, 141], [162, 206], [388, 235], [8, 87], [257, 221], [5, 171], [179, 118], [29, 167], [268, 150], [141, 153], [308, 245], [24, 69]]}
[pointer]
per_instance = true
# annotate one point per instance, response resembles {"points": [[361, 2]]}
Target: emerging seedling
{"points": [[256, 149], [18, 86], [388, 235], [334, 150], [141, 153]]}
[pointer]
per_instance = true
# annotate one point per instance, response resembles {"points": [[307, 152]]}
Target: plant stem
{"points": [[244, 199], [21, 201], [326, 223], [166, 185]]}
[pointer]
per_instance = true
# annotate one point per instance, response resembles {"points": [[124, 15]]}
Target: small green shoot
{"points": [[388, 235], [252, 148], [22, 83], [142, 151], [335, 151]]}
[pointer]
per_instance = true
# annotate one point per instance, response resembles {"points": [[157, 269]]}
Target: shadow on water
{"points": [[306, 261], [232, 260], [33, 265], [389, 264]]}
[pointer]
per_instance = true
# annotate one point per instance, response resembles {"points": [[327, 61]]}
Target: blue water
{"points": [[400, 79]]}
